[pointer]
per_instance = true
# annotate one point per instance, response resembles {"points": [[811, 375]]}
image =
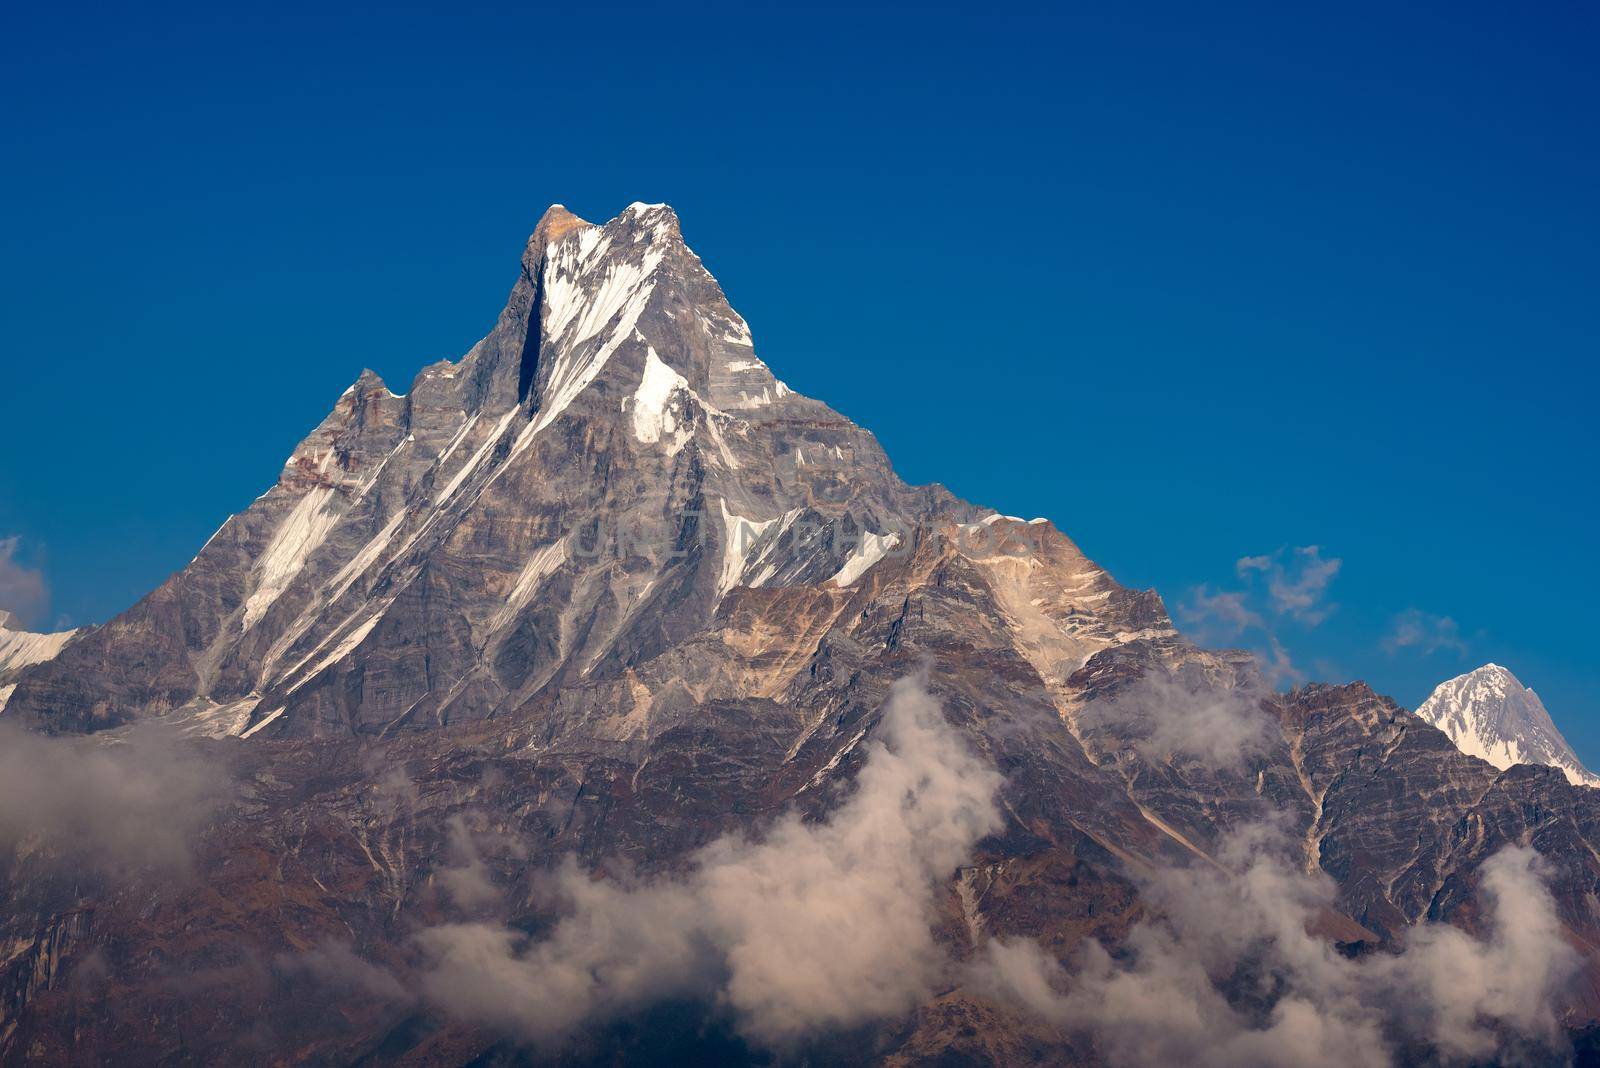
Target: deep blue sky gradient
{"points": [[1195, 282]]}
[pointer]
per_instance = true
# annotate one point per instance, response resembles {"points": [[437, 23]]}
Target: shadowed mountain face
{"points": [[605, 593]]}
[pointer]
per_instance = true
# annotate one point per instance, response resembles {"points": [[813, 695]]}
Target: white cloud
{"points": [[1287, 584], [1297, 581], [1226, 973], [467, 881], [815, 926], [1225, 618], [1225, 612], [824, 926], [340, 968]]}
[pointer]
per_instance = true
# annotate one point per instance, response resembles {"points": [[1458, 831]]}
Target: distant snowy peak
{"points": [[21, 648], [1489, 714]]}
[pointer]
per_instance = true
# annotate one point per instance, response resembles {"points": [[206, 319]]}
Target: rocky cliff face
{"points": [[1489, 714], [581, 492], [606, 589]]}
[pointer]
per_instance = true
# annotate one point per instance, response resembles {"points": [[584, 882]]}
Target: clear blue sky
{"points": [[1199, 283]]}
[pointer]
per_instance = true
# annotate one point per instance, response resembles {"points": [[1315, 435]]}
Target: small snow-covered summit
{"points": [[23, 648], [19, 647], [1489, 714]]}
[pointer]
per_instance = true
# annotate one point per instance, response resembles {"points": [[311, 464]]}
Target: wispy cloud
{"points": [[823, 926], [1297, 581], [1222, 611], [24, 593], [341, 968], [1184, 715], [132, 798], [1289, 584], [1424, 632]]}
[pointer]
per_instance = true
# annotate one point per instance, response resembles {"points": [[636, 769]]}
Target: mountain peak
{"points": [[20, 648], [659, 219], [605, 582], [556, 222], [1488, 713], [593, 480]]}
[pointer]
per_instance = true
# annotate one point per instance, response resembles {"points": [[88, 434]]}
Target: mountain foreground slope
{"points": [[601, 698]]}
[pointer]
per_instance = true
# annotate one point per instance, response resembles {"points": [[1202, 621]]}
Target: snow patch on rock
{"points": [[297, 537], [739, 540], [653, 418], [873, 547]]}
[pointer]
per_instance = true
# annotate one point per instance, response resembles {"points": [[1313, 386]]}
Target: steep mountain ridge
{"points": [[613, 344], [636, 462], [21, 648], [1489, 714]]}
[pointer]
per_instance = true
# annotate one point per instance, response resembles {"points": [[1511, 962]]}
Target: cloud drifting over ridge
{"points": [[821, 927], [815, 926], [1228, 975], [1185, 715], [133, 797]]}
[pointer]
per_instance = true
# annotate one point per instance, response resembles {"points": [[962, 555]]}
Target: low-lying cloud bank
{"points": [[817, 926], [1228, 975], [130, 798], [822, 927]]}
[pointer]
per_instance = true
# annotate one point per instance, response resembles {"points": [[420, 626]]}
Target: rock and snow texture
{"points": [[653, 416], [611, 465], [605, 588], [1489, 714], [21, 648], [873, 547]]}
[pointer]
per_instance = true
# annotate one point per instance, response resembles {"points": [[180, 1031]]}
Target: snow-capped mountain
{"points": [[21, 648], [591, 484], [1489, 714], [606, 589]]}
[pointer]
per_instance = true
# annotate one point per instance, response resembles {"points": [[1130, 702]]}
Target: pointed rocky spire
{"points": [[556, 222]]}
